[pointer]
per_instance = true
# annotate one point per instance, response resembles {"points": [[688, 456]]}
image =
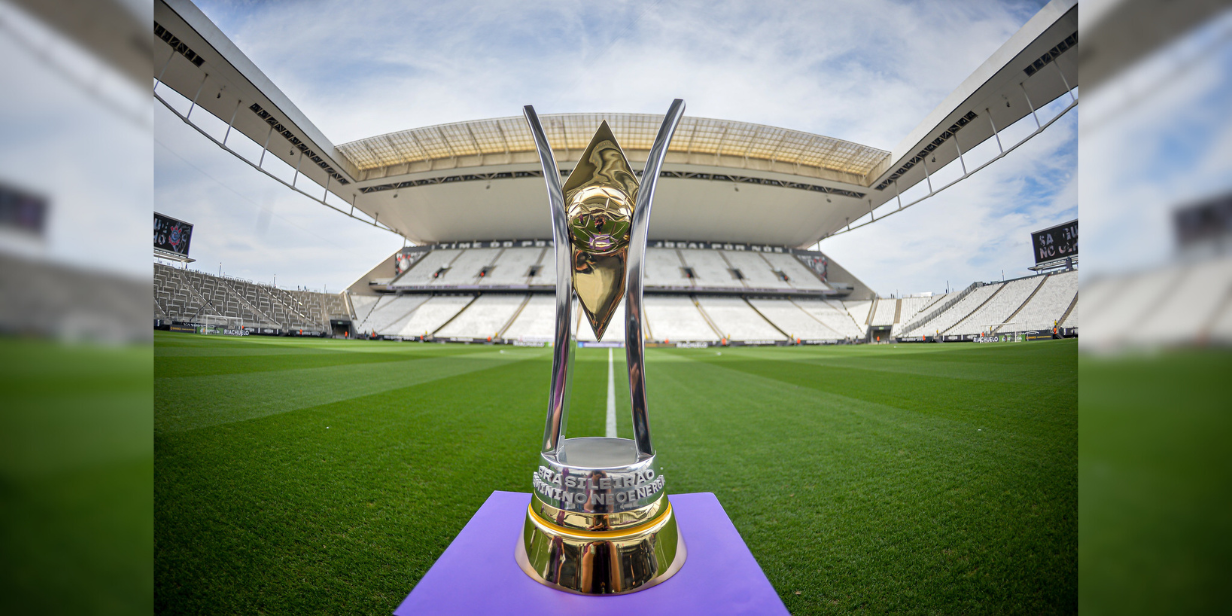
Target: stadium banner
{"points": [[183, 329], [1056, 242], [172, 235], [413, 252]]}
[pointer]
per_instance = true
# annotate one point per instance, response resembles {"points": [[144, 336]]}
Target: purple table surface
{"points": [[477, 574]]}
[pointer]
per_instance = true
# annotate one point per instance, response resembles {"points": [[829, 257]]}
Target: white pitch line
{"points": [[611, 398]]}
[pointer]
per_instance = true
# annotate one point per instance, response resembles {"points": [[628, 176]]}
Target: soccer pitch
{"points": [[324, 476]]}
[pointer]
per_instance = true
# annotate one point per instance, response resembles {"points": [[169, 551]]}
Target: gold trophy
{"points": [[599, 521]]}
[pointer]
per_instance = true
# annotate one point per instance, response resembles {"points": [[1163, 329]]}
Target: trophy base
{"points": [[610, 562]]}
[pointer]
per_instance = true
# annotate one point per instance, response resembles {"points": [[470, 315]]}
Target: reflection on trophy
{"points": [[599, 520]]}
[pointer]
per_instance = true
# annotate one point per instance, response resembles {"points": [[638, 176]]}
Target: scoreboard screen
{"points": [[172, 235], [1056, 243]]}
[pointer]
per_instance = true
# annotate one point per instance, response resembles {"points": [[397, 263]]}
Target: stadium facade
{"points": [[734, 251]]}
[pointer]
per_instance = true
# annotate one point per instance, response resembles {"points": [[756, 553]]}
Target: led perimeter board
{"points": [[1056, 242], [172, 235]]}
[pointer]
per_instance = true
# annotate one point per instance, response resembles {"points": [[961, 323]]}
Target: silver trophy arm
{"points": [[563, 345], [634, 344]]}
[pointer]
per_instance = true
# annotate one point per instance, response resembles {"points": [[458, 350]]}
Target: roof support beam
{"points": [[164, 70], [232, 122], [1029, 105], [199, 88], [994, 130], [264, 148]]}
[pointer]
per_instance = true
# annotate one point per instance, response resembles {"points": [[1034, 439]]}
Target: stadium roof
{"points": [[634, 131], [723, 180]]}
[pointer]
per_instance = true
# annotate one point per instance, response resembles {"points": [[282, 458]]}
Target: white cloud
{"points": [[862, 71]]}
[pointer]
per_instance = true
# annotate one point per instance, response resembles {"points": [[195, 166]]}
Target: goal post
{"points": [[221, 325]]}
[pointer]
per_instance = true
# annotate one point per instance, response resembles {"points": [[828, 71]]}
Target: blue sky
{"points": [[862, 71]]}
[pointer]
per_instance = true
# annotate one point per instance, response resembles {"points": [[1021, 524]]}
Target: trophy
{"points": [[599, 521]]}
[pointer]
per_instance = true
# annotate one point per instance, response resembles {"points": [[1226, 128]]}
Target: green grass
{"points": [[1156, 510], [297, 476], [76, 468]]}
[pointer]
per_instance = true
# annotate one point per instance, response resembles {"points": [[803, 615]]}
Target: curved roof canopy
{"points": [[634, 131]]}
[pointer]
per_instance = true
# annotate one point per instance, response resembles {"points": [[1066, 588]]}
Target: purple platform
{"points": [[477, 574]]}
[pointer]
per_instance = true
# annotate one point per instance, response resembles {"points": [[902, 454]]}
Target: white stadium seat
{"points": [[663, 269], [756, 271], [834, 316], [421, 272], [1193, 303], [859, 311], [883, 313], [432, 314], [537, 320], [959, 311], [465, 269], [362, 304], [792, 319], [737, 320], [389, 316], [676, 318], [998, 308], [512, 266], [710, 268], [1048, 305], [485, 317], [799, 275]]}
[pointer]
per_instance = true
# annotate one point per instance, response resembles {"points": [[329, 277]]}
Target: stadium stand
{"points": [[41, 298], [1071, 318], [363, 305], [834, 316], [998, 308], [677, 319], [790, 318], [465, 269], [799, 276], [912, 307], [432, 315], [1122, 311], [389, 317], [737, 320], [1189, 310], [484, 318], [664, 269], [860, 312], [422, 272], [957, 312], [536, 321], [756, 271], [1048, 305], [884, 311], [710, 268], [189, 296], [513, 266]]}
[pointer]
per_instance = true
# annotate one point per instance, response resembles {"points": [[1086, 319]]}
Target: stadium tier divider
{"points": [[535, 322], [936, 309], [676, 318], [1070, 318], [794, 320], [737, 320], [995, 310]]}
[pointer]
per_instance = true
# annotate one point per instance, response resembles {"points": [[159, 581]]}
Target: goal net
{"points": [[221, 326]]}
